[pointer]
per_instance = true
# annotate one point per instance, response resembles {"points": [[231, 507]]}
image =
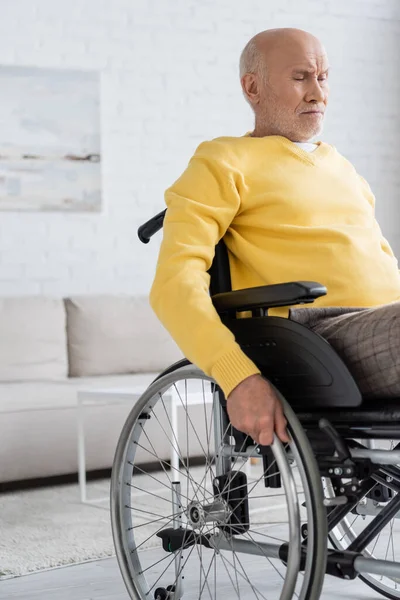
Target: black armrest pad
{"points": [[268, 296]]}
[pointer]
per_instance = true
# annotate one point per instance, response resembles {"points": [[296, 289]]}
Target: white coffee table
{"points": [[106, 396]]}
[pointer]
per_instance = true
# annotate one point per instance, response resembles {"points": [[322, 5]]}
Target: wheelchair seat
{"points": [[373, 418], [304, 366]]}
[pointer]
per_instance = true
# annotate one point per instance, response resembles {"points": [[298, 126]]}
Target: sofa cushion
{"points": [[57, 395], [38, 433], [33, 341], [116, 334]]}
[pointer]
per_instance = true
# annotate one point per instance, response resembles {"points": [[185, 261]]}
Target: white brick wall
{"points": [[169, 80]]}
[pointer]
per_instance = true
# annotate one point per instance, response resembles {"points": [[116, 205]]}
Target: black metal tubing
{"points": [[378, 523], [392, 485], [390, 471], [385, 431], [148, 229], [340, 563], [339, 512]]}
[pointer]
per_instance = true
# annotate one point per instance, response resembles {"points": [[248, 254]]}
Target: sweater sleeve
{"points": [[200, 207], [386, 248]]}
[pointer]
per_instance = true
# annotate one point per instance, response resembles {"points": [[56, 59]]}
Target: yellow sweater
{"points": [[285, 215]]}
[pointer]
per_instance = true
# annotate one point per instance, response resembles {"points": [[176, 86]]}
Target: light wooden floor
{"points": [[101, 580]]}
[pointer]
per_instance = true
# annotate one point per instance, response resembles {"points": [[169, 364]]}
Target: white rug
{"points": [[49, 527]]}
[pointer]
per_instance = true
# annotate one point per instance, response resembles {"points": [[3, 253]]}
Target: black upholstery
{"points": [[220, 276], [302, 365], [269, 296]]}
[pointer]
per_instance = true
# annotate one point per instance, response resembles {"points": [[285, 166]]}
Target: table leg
{"points": [[174, 457], [177, 524], [81, 452]]}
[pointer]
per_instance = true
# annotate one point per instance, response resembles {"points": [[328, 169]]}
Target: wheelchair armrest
{"points": [[268, 296]]}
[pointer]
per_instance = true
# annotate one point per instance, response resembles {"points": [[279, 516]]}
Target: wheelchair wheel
{"points": [[383, 545], [188, 521]]}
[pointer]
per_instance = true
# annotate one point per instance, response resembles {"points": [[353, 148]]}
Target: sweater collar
{"points": [[314, 157]]}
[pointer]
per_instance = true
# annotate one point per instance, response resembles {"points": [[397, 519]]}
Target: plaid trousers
{"points": [[366, 339]]}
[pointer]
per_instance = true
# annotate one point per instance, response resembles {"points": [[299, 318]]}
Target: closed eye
{"points": [[322, 77]]}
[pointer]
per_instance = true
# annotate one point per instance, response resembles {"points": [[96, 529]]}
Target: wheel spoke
{"points": [[155, 478], [263, 553], [167, 567], [200, 555], [256, 591], [177, 448], [163, 526], [147, 512]]}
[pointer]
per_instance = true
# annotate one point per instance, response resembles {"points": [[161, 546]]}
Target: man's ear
{"points": [[251, 88]]}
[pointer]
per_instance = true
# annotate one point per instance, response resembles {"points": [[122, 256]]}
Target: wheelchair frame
{"points": [[326, 400]]}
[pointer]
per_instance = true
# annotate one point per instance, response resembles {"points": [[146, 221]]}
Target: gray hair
{"points": [[251, 59]]}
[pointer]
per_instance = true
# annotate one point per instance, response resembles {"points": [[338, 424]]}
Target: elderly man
{"points": [[288, 209]]}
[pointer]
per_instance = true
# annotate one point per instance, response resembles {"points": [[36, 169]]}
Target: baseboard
{"points": [[27, 484]]}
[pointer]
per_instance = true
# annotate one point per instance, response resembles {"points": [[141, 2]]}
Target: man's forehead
{"points": [[311, 62], [309, 67], [288, 49]]}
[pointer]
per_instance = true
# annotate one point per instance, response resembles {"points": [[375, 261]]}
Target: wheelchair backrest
{"points": [[219, 271]]}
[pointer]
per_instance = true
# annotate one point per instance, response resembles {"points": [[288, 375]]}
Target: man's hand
{"points": [[254, 408]]}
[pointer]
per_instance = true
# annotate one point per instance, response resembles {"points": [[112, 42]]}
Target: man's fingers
{"points": [[280, 425], [266, 437], [254, 409]]}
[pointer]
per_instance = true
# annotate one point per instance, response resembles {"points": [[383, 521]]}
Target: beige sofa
{"points": [[49, 349]]}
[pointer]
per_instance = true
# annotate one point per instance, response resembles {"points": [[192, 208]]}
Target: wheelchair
{"points": [[225, 517]]}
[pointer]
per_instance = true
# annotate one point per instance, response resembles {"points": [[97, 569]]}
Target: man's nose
{"points": [[315, 92]]}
